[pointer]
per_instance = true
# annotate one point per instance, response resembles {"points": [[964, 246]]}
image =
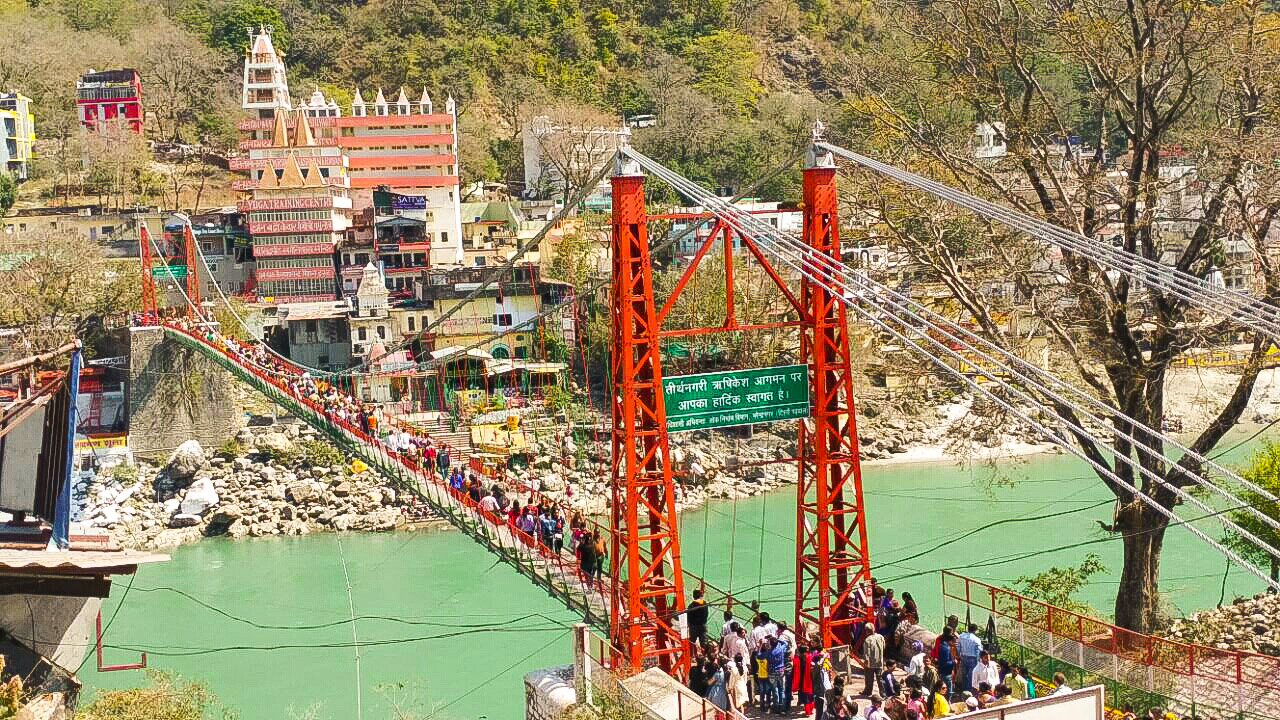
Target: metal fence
{"points": [[1181, 676]]}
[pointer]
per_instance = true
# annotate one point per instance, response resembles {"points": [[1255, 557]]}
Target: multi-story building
{"points": [[298, 213], [557, 155], [404, 241], [496, 309], [492, 231], [265, 89], [403, 145], [110, 96], [18, 131], [226, 247], [787, 219]]}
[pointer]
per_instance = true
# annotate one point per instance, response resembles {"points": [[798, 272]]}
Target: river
{"points": [[448, 632]]}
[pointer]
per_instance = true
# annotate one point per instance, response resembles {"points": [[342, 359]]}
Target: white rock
{"points": [[127, 493], [199, 498], [171, 505], [185, 461]]}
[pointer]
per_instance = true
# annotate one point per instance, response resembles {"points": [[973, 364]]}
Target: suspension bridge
{"points": [[638, 600]]}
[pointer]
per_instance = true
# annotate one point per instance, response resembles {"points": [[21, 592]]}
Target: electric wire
{"points": [[823, 279], [1194, 290]]}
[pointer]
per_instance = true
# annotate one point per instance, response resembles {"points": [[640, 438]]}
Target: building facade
{"points": [[298, 213], [110, 96], [265, 88], [18, 128], [554, 151], [401, 145]]}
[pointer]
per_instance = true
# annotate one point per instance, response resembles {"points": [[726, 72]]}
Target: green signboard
{"points": [[736, 397], [172, 272]]}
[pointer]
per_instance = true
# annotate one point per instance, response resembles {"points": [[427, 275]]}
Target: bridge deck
{"points": [[556, 572]]}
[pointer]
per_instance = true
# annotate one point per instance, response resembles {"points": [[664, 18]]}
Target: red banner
{"points": [[290, 226], [303, 273], [300, 203], [291, 249]]}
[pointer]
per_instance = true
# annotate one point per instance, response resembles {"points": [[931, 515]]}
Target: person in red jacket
{"points": [[802, 685]]}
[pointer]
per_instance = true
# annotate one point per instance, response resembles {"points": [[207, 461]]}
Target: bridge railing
{"points": [[1186, 675], [556, 571]]}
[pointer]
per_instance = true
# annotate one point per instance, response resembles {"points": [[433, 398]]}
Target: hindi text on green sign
{"points": [[736, 397]]}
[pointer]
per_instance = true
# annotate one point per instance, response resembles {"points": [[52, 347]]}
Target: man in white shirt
{"points": [[734, 643], [876, 710], [986, 671], [489, 503], [916, 668], [1060, 685]]}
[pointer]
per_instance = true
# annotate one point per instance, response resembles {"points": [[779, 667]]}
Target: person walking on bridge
{"points": [[697, 615], [872, 658]]}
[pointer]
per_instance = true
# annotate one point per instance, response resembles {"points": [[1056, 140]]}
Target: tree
{"points": [[119, 165], [1263, 471], [1160, 75], [229, 25], [63, 288], [573, 141], [724, 65], [167, 697], [180, 70], [1057, 586], [8, 192]]}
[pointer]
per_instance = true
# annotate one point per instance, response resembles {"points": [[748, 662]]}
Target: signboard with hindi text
{"points": [[736, 397]]}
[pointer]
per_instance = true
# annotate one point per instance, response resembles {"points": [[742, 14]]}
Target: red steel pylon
{"points": [[647, 592], [193, 275], [150, 311], [831, 531]]}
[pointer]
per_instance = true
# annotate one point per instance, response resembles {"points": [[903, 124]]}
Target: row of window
{"points": [[278, 215], [303, 239], [309, 261], [284, 288], [430, 129], [108, 93], [437, 149], [448, 171]]}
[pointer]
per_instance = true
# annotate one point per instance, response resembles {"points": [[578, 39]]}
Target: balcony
{"points": [[290, 226]]}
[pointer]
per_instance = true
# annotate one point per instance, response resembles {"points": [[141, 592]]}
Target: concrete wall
{"points": [[175, 395], [59, 628]]}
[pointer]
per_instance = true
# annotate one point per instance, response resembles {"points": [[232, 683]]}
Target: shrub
{"points": [[318, 453], [232, 449]]}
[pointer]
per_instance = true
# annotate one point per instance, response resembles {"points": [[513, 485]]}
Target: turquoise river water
{"points": [[446, 631]]}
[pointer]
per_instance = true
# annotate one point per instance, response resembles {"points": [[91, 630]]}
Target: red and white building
{"points": [[298, 212], [110, 96], [402, 145]]}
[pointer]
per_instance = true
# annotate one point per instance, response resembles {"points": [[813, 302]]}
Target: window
{"points": [[503, 320], [213, 268], [479, 261], [363, 334], [411, 329], [382, 332], [444, 236], [108, 229], [311, 326], [522, 352]]}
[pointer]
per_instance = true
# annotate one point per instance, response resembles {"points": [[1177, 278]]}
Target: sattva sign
{"points": [[736, 397]]}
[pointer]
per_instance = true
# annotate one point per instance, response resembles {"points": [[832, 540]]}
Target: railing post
{"points": [[581, 664]]}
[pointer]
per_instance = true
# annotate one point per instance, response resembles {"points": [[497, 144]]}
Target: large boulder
{"points": [[199, 498], [301, 492], [185, 461], [275, 442]]}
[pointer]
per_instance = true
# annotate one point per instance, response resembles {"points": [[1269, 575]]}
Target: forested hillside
{"points": [[734, 82]]}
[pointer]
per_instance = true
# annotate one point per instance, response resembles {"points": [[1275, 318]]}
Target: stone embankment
{"points": [[1248, 625], [279, 480]]}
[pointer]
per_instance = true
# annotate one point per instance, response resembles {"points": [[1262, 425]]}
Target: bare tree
{"points": [[572, 141], [1137, 81], [179, 71]]}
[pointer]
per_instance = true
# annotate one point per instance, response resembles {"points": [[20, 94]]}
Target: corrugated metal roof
{"points": [[74, 560]]}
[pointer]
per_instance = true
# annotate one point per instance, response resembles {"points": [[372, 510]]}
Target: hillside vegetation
{"points": [[735, 83]]}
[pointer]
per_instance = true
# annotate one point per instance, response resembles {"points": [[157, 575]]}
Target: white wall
{"points": [[1086, 704]]}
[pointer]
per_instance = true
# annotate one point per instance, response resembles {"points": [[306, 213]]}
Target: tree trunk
{"points": [[1138, 599]]}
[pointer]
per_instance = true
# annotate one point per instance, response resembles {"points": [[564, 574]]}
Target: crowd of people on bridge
{"points": [[546, 522], [906, 672]]}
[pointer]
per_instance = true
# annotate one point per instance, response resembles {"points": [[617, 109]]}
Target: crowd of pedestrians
{"points": [[762, 663]]}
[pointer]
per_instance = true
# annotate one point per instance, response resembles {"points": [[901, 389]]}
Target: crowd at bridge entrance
{"points": [[899, 669]]}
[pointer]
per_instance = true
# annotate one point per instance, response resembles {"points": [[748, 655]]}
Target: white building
{"points": [[988, 141], [551, 150], [786, 219], [265, 88]]}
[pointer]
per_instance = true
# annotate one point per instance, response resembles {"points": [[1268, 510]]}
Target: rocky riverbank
{"points": [[277, 480], [736, 463], [1248, 625]]}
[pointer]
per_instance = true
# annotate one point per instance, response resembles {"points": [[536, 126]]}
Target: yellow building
{"points": [[18, 126]]}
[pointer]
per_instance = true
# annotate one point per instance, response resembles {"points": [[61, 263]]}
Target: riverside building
{"points": [[400, 145], [298, 211]]}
